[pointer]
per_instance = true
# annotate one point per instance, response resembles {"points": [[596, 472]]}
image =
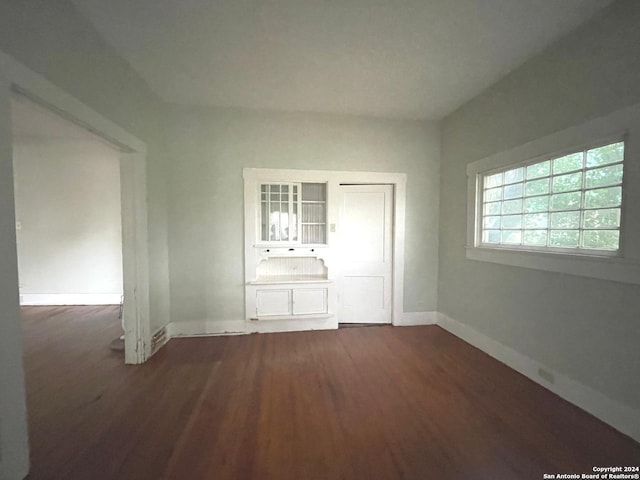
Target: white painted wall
{"points": [[584, 328], [210, 148], [67, 195]]}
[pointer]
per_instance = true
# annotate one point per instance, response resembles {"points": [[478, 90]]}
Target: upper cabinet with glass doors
{"points": [[293, 213]]}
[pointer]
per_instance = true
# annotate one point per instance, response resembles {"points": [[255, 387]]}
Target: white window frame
{"points": [[622, 265]]}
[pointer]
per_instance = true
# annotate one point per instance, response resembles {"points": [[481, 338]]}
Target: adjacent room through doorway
{"points": [[68, 213]]}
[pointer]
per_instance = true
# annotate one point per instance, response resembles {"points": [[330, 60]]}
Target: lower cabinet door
{"points": [[273, 302], [308, 301], [296, 301]]}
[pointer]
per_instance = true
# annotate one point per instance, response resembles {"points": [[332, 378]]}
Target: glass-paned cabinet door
{"points": [[293, 212], [279, 205], [314, 213]]}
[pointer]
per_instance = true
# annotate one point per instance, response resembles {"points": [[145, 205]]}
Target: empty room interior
{"points": [[278, 239]]}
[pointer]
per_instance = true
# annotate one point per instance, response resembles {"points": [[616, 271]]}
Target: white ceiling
{"points": [[391, 58]]}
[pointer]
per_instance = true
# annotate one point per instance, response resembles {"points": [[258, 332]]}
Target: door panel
{"points": [[364, 290], [363, 227], [273, 302], [365, 252], [309, 300]]}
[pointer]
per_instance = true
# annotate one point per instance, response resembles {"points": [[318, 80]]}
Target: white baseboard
{"points": [[619, 416], [289, 325], [198, 328], [34, 299], [195, 328], [417, 318]]}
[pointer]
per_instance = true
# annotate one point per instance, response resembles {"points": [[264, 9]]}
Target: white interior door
{"points": [[365, 253]]}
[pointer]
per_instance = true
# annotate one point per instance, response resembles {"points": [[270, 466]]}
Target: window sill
{"points": [[615, 269]]}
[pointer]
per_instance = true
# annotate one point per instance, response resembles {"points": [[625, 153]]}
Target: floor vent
{"points": [[158, 340]]}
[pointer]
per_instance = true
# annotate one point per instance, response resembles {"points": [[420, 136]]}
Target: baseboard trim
{"points": [[615, 414], [200, 328], [35, 299], [417, 318], [291, 325]]}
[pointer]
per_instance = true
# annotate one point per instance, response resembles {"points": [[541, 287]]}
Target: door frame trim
{"points": [[254, 176]]}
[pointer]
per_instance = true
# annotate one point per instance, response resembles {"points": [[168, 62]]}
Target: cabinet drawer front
{"points": [[273, 302], [309, 300]]}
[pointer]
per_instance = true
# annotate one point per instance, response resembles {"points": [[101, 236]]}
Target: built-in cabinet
{"points": [[288, 282], [278, 301], [313, 242]]}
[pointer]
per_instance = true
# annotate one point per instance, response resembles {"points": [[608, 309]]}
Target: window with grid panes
{"points": [[293, 212], [565, 203]]}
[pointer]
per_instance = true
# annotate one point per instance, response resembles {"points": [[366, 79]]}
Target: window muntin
{"points": [[569, 202], [293, 213]]}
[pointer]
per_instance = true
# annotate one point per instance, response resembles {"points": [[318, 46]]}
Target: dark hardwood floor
{"points": [[356, 403]]}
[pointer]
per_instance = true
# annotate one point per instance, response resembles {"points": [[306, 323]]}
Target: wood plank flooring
{"points": [[357, 403]]}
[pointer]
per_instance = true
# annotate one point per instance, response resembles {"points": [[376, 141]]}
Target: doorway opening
{"points": [[101, 211], [68, 212]]}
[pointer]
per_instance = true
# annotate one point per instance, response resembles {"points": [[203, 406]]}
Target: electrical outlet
{"points": [[546, 375], [18, 225]]}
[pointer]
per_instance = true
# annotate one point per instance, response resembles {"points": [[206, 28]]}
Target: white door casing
{"points": [[365, 253]]}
